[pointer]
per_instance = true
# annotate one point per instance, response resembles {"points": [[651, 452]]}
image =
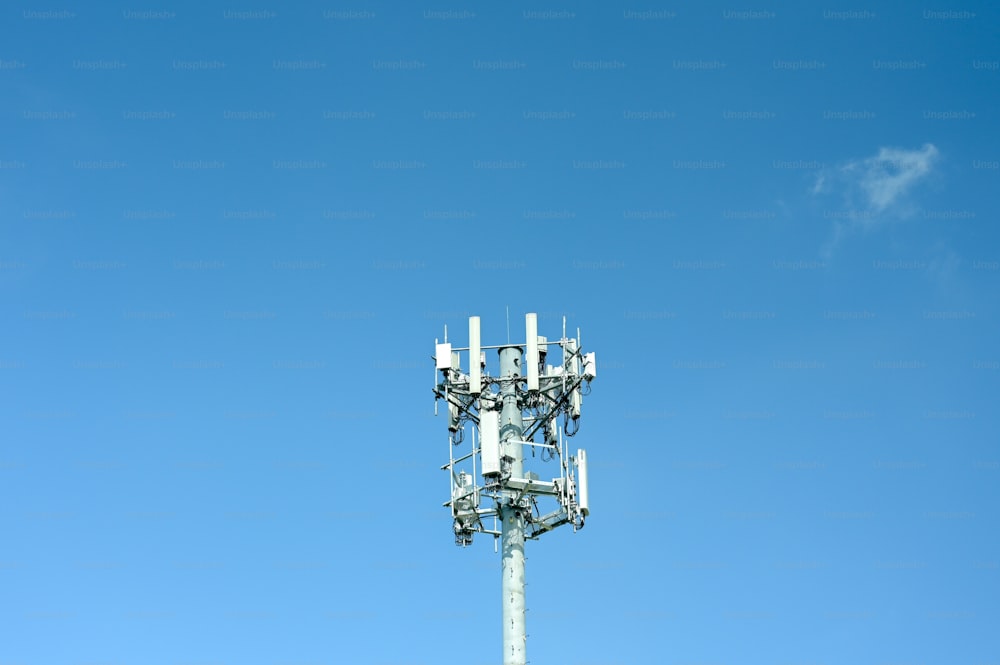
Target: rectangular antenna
{"points": [[489, 442], [581, 466], [442, 355], [475, 368], [531, 327]]}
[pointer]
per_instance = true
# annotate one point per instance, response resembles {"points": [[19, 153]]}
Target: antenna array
{"points": [[511, 414]]}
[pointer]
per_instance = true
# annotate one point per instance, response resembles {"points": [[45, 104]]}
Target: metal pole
{"points": [[511, 515]]}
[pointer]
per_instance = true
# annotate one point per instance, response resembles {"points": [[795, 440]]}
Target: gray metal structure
{"points": [[518, 408]]}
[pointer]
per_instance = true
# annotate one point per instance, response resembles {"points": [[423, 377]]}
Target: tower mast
{"points": [[519, 407]]}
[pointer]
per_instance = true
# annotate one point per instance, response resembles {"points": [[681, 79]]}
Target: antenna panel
{"points": [[531, 361], [442, 355], [489, 442], [582, 488], [475, 354]]}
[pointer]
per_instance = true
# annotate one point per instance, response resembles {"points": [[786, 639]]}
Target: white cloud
{"points": [[818, 185], [874, 189], [888, 176]]}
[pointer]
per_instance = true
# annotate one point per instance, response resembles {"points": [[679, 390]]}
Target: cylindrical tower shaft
{"points": [[511, 515]]}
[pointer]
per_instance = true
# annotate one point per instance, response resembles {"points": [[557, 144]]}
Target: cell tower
{"points": [[508, 414]]}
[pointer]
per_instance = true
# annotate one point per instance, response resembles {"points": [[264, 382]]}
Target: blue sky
{"points": [[229, 235]]}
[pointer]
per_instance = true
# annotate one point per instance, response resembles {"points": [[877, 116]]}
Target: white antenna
{"points": [[531, 359], [584, 493], [489, 442], [529, 405], [475, 365]]}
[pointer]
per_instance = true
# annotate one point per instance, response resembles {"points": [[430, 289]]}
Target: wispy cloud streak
{"points": [[874, 189]]}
